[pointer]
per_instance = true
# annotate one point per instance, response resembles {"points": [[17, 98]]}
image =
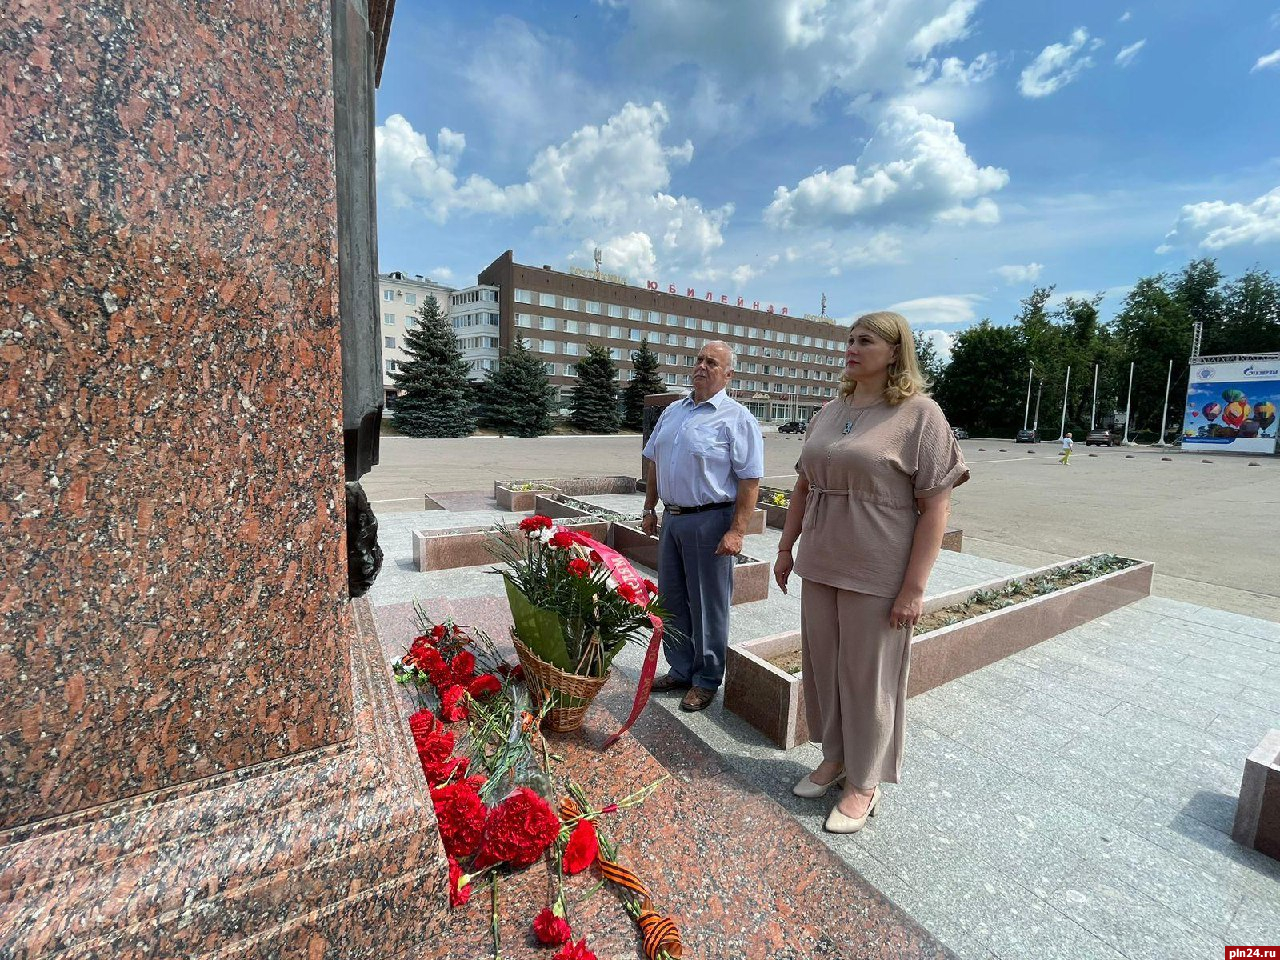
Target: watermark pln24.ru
{"points": [[1253, 953]]}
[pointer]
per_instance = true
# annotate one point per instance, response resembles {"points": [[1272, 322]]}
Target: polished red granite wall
{"points": [[170, 491]]}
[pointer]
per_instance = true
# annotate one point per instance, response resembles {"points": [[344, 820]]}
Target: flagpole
{"points": [[1062, 427], [1127, 405], [1164, 416]]}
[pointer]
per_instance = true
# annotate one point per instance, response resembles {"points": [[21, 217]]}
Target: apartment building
{"points": [[400, 296], [788, 366], [474, 312]]}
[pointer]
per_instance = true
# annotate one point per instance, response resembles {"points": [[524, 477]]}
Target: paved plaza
{"points": [[1072, 801], [1207, 526]]}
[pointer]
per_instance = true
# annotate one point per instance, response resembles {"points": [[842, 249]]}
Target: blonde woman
{"points": [[869, 508]]}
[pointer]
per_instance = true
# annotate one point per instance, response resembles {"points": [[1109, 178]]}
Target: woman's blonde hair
{"points": [[905, 378]]}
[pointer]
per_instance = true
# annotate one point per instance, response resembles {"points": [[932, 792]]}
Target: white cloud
{"points": [[1270, 60], [835, 255], [913, 170], [939, 311], [1126, 55], [1019, 273], [1057, 65], [1214, 225], [942, 343], [605, 185], [441, 274], [1125, 17], [769, 60]]}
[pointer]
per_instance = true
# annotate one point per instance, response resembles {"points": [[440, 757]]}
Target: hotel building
{"points": [[788, 366]]}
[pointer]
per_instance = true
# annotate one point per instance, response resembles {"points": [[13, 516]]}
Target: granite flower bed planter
{"points": [[772, 700], [510, 494]]}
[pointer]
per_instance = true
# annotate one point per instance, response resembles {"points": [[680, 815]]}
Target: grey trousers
{"points": [[854, 668], [696, 588]]}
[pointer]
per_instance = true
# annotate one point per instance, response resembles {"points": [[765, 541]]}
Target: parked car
{"points": [[1099, 438], [1026, 436], [960, 432], [792, 426]]}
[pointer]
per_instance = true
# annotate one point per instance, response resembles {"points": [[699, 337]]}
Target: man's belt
{"points": [[672, 509]]}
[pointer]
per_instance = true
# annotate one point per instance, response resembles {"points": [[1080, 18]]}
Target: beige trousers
{"points": [[854, 669]]}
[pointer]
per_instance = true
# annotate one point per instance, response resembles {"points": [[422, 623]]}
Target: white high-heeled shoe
{"points": [[811, 791], [838, 822]]}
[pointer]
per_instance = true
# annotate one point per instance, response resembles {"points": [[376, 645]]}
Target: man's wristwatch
{"points": [[650, 512]]}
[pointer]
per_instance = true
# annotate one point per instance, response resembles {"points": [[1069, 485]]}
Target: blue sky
{"points": [[938, 156]]}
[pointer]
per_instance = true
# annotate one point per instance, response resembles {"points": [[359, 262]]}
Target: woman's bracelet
{"points": [[784, 549]]}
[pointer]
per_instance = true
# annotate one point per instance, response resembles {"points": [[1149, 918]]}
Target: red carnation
{"points": [[484, 685], [550, 929], [651, 587], [434, 666], [459, 893], [461, 815], [519, 830], [435, 753], [630, 594], [437, 632], [562, 538], [595, 557], [453, 703], [582, 849], [463, 667], [422, 724], [575, 951], [579, 567], [536, 522]]}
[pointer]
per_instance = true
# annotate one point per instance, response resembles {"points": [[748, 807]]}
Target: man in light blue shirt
{"points": [[706, 458]]}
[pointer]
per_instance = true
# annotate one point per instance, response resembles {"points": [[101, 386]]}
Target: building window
{"points": [[593, 330], [754, 332], [571, 303], [615, 310], [794, 338], [389, 342], [547, 299], [654, 316], [690, 323], [738, 330], [634, 335], [672, 340], [571, 348], [389, 296], [615, 353], [722, 328], [523, 320], [593, 306], [411, 299], [549, 346], [673, 320], [548, 323], [686, 380], [691, 342], [391, 364], [708, 326], [690, 361], [550, 368], [388, 318], [410, 322], [634, 314], [570, 369], [615, 333], [571, 326], [671, 380], [524, 296]]}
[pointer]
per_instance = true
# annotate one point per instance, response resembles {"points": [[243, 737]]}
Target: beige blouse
{"points": [[865, 470]]}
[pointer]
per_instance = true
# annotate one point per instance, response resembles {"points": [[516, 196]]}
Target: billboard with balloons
{"points": [[1232, 406]]}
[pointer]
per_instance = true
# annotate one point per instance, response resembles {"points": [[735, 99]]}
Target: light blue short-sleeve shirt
{"points": [[703, 449]]}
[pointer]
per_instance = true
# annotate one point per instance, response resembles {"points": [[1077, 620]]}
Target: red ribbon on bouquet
{"points": [[622, 571]]}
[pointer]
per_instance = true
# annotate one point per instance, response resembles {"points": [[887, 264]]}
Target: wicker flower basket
{"points": [[568, 693]]}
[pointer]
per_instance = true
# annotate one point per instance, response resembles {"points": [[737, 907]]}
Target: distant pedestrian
{"points": [[1067, 444]]}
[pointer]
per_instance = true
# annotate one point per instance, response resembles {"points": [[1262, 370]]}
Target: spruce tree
{"points": [[435, 395], [517, 398], [595, 399], [644, 380]]}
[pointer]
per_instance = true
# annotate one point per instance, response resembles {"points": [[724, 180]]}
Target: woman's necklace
{"points": [[856, 416]]}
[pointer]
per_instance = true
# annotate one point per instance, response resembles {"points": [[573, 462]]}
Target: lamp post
{"points": [[1026, 409], [1035, 424], [1127, 404], [1164, 413], [1093, 412], [1062, 427]]}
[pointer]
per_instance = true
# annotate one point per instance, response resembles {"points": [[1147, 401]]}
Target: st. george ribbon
{"points": [[622, 571]]}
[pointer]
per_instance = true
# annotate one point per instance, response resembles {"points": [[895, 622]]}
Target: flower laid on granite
{"points": [[551, 929], [575, 951], [490, 778], [575, 603]]}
